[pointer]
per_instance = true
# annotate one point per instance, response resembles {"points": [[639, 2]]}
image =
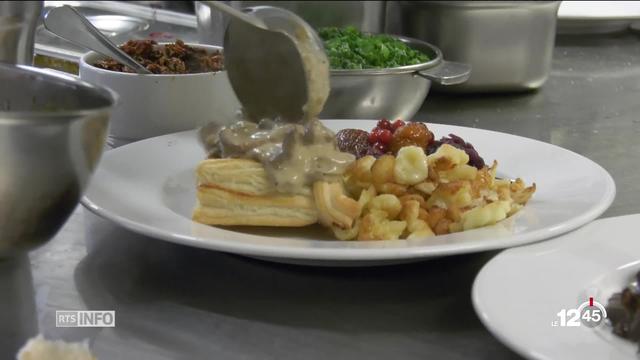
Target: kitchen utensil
{"points": [[176, 102], [69, 24], [52, 132], [366, 16], [264, 61], [237, 14], [509, 44], [120, 21], [393, 93], [149, 187], [17, 28]]}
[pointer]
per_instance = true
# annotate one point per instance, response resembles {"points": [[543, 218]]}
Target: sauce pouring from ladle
{"points": [[275, 62], [278, 69]]}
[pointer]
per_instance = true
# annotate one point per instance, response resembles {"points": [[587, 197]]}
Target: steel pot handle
{"points": [[447, 73]]}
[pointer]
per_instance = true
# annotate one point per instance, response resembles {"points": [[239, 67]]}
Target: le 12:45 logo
{"points": [[590, 314]]}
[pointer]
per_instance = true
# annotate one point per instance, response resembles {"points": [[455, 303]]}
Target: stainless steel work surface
{"points": [[174, 302]]}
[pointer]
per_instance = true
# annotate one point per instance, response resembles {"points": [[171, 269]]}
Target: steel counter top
{"points": [[174, 302], [590, 105]]}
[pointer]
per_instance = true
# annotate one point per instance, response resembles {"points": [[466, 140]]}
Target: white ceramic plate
{"points": [[590, 17], [519, 293], [148, 187]]}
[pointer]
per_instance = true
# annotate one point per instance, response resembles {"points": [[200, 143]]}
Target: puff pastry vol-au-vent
{"points": [[233, 191]]}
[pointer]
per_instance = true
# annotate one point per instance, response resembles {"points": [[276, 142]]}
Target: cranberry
{"points": [[384, 124], [397, 124], [385, 136], [373, 137]]}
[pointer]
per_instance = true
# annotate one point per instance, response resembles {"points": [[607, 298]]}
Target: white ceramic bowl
{"points": [[158, 104]]}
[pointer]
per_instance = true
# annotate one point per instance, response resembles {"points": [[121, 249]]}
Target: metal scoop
{"points": [[264, 62], [70, 25]]}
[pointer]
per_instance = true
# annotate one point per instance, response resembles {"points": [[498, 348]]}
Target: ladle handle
{"points": [[219, 5]]}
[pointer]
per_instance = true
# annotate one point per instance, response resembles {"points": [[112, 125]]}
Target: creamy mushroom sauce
{"points": [[294, 155], [316, 66]]}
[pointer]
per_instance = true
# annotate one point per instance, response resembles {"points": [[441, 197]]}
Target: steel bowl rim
{"points": [[400, 69], [110, 95]]}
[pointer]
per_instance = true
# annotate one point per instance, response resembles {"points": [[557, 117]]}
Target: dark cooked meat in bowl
{"points": [[172, 58]]}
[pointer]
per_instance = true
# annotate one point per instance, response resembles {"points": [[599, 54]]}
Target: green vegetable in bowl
{"points": [[348, 48]]}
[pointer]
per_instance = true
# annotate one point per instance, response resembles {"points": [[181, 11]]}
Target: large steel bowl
{"points": [[52, 133], [509, 44], [392, 93]]}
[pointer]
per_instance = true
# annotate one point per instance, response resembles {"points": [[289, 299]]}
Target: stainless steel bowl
{"points": [[17, 27], [509, 44], [392, 93], [52, 132]]}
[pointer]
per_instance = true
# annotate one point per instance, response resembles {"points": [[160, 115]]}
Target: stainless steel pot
{"points": [[392, 93], [52, 132], [17, 28], [365, 15], [509, 44]]}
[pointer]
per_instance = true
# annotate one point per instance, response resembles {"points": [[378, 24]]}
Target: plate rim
{"points": [[358, 254], [479, 303], [567, 15]]}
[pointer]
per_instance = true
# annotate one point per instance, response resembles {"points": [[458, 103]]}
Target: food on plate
{"points": [[172, 58], [348, 48], [294, 156], [238, 192], [623, 311], [474, 158], [415, 195], [377, 185], [354, 141], [273, 174], [414, 133], [412, 189], [39, 348], [389, 137], [297, 165]]}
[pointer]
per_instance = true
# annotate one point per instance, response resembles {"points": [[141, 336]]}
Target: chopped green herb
{"points": [[348, 48]]}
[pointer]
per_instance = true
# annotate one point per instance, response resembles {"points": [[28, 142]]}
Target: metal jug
{"points": [[18, 21]]}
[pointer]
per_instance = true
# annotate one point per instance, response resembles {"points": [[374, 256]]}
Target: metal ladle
{"points": [[69, 24], [264, 61]]}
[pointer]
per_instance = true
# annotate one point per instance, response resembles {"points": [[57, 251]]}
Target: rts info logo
{"points": [[86, 318]]}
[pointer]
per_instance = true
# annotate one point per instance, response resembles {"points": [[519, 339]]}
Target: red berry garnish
{"points": [[385, 136], [384, 124], [373, 137], [397, 124]]}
